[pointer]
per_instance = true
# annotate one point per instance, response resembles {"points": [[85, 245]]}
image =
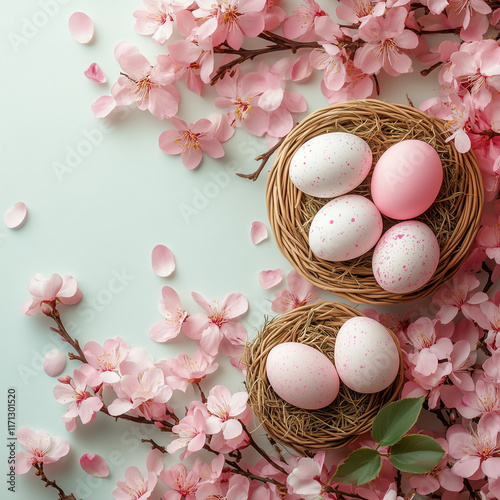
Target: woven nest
{"points": [[454, 217], [351, 413]]}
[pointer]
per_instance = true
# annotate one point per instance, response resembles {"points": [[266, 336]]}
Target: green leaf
{"points": [[360, 467], [395, 420], [416, 453]]}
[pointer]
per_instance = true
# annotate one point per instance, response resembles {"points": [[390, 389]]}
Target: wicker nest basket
{"points": [[350, 415], [454, 216]]}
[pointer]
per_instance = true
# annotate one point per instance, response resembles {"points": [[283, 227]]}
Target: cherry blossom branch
{"points": [[154, 445], [248, 474], [60, 330], [202, 394], [41, 474], [473, 494], [425, 72], [165, 426]]}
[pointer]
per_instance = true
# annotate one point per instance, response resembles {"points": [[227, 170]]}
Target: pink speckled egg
{"points": [[406, 257], [366, 356], [302, 375], [345, 228], [329, 165], [406, 179]]}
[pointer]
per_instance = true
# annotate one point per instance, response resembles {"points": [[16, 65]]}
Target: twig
{"points": [[154, 445], [60, 330], [276, 448], [165, 426], [202, 394], [41, 474], [425, 72], [242, 472], [473, 494]]}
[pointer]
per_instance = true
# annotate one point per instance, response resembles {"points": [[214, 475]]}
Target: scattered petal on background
{"points": [[268, 279], [54, 362], [258, 232], [163, 261], [94, 465], [95, 73], [81, 27], [16, 215]]}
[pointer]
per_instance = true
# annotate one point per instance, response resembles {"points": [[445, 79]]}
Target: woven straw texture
{"points": [[351, 413], [454, 217]]}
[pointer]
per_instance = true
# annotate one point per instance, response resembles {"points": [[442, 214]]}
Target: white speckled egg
{"points": [[302, 375], [329, 165], [366, 356], [406, 257], [345, 228]]}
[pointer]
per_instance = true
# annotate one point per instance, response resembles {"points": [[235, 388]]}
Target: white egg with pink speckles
{"points": [[345, 228], [302, 375], [330, 165], [406, 257], [366, 356]]}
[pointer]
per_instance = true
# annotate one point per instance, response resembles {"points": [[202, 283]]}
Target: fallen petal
{"points": [[81, 27], [15, 216], [94, 465], [163, 261], [95, 73], [268, 279], [54, 363], [258, 232]]}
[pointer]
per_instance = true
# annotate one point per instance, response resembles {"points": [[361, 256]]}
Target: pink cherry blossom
{"points": [[483, 399], [270, 278], [273, 15], [159, 17], [299, 293], [355, 11], [41, 449], [135, 486], [185, 370], [304, 478], [236, 488], [173, 316], [209, 471], [458, 297], [224, 409], [332, 61], [475, 449], [229, 20], [47, 292], [83, 403], [145, 394], [192, 430], [215, 327], [385, 37], [106, 359], [184, 483], [258, 233], [301, 22], [94, 465], [95, 74], [15, 216], [191, 141], [470, 15]]}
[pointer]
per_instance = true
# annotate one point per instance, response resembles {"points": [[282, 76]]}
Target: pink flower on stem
{"points": [[236, 488], [476, 449], [225, 409], [135, 487], [41, 449], [301, 22], [216, 327], [191, 141], [173, 316], [385, 37], [146, 394], [355, 11], [212, 471], [299, 293], [150, 88], [483, 399], [185, 370], [192, 430], [470, 15], [229, 20], [304, 478], [47, 292], [106, 359], [184, 483], [458, 297], [83, 403]]}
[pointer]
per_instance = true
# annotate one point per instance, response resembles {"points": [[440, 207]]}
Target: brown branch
{"points": [[242, 472], [166, 426], [202, 394], [473, 494], [425, 72], [154, 445], [60, 330], [41, 474]]}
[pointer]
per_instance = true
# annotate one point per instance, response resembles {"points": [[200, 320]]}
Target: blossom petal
{"points": [[54, 362], [94, 465], [95, 73], [103, 106], [15, 216], [258, 233], [81, 27], [268, 279], [163, 261]]}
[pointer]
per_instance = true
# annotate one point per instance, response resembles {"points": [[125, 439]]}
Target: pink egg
{"points": [[366, 356], [406, 257], [406, 179], [345, 228], [302, 375]]}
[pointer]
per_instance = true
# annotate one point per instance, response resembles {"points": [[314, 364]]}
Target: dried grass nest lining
{"points": [[350, 415], [454, 217]]}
